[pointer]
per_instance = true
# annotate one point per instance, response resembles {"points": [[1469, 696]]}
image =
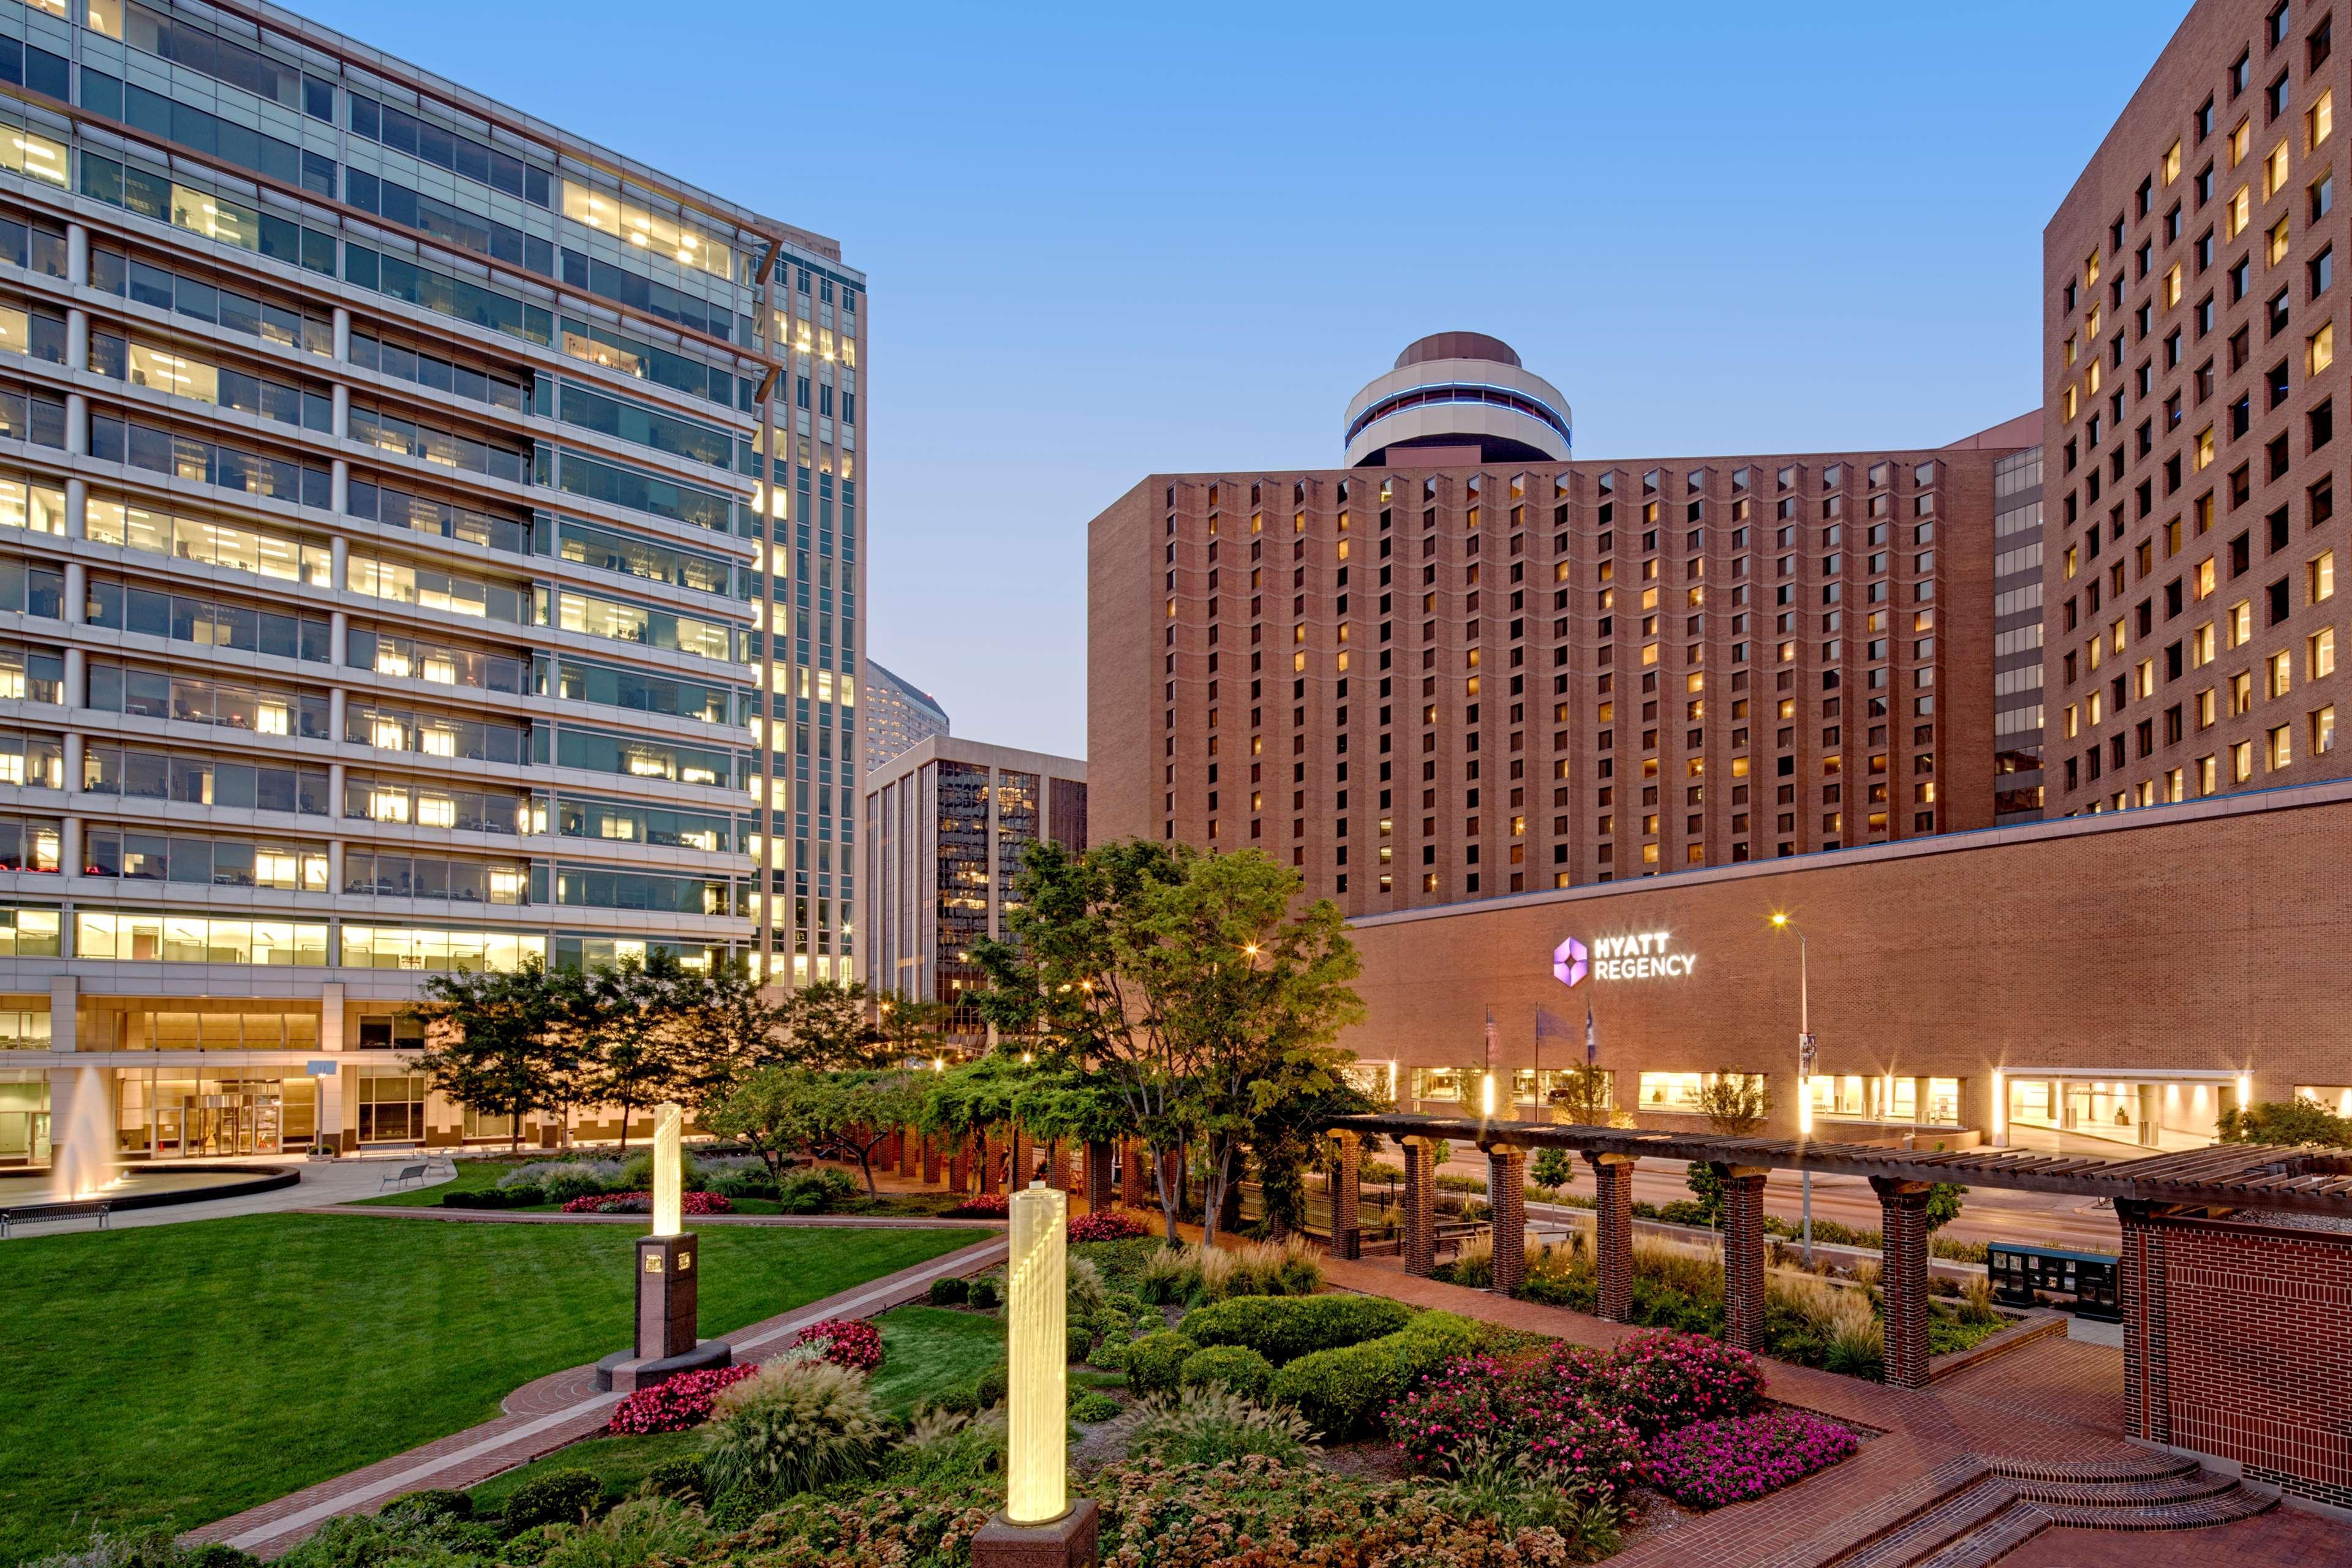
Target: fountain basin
{"points": [[147, 1188]]}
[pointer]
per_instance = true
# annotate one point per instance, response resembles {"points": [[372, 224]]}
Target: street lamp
{"points": [[1804, 1066]]}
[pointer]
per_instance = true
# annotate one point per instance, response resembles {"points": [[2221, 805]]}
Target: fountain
{"points": [[81, 1135]]}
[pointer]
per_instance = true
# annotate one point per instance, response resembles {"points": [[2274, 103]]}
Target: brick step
{"points": [[1896, 1510], [1929, 1535], [2127, 1493], [1993, 1539], [2221, 1507], [2147, 1465]]}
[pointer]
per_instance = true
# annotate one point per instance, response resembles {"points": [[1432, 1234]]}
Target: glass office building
{"points": [[428, 540]]}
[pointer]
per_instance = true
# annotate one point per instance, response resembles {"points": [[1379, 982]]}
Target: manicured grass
{"points": [[175, 1374], [926, 1352]]}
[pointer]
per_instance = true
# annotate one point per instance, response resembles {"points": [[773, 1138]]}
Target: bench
{"points": [[42, 1213], [401, 1177]]}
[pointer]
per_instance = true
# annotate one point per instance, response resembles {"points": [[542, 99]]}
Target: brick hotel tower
{"points": [[1464, 665], [2191, 361]]}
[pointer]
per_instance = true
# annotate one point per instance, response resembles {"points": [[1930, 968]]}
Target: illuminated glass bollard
{"points": [[1040, 1526]]}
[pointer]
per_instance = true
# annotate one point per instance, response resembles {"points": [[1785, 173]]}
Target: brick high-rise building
{"points": [[1469, 665], [2191, 358]]}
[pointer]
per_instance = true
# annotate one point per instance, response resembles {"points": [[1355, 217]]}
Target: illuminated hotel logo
{"points": [[1645, 956]]}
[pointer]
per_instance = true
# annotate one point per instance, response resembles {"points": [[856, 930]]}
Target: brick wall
{"points": [[2238, 1344]]}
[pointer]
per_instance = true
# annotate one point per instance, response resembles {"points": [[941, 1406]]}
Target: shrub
{"points": [[1106, 1225], [1516, 1494], [643, 1203], [982, 1205], [1348, 1391], [1663, 1380], [951, 1291], [1083, 1291], [1110, 1354], [792, 1427], [562, 1180], [740, 1181], [1094, 1406], [2286, 1121], [1712, 1463], [635, 1531], [493, 1198], [1282, 1328], [1548, 1408], [1078, 1342], [1233, 1367], [676, 1404], [433, 1503], [988, 1391], [558, 1497], [1215, 1426], [679, 1477], [982, 1292], [816, 1190], [853, 1343], [1156, 1361], [945, 1447]]}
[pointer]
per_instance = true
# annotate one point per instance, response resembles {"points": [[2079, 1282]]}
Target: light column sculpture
{"points": [[1040, 1528], [667, 1274]]}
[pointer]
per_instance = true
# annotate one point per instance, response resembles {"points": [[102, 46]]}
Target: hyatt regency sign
{"points": [[1645, 955]]}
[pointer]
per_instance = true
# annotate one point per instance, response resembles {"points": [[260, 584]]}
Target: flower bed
{"points": [[643, 1203], [982, 1205], [1712, 1463], [682, 1402], [1107, 1225], [853, 1343]]}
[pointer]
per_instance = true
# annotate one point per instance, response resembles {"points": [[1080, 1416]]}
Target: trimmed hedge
{"points": [[1346, 1393], [1283, 1328], [1235, 1367], [1156, 1361]]}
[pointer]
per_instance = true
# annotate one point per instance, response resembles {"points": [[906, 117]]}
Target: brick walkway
{"points": [[2049, 1402], [2282, 1538], [547, 1414]]}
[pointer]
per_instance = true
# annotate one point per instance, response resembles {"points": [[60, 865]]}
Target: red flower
{"points": [[682, 1402], [853, 1343]]}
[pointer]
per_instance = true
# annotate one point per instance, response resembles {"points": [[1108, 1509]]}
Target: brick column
{"points": [[1507, 1195], [1420, 1208], [1347, 1234], [931, 1159], [990, 1153], [1097, 1175], [2140, 1291], [1903, 1281], [1612, 1233], [1743, 1255], [960, 1165], [1134, 1181], [1025, 1155]]}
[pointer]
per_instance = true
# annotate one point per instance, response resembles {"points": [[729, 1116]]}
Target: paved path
{"points": [[548, 1414], [322, 1181]]}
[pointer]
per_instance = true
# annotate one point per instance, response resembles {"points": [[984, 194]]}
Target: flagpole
{"points": [[1543, 1107]]}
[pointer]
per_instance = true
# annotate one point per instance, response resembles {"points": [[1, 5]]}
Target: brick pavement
{"points": [[549, 1413], [2282, 1538]]}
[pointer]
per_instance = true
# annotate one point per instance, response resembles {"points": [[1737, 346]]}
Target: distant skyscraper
{"points": [[898, 716]]}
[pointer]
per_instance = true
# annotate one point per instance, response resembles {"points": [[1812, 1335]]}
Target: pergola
{"points": [[2208, 1183]]}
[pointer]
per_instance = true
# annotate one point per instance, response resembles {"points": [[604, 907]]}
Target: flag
{"points": [[1490, 1041], [1552, 1026], [1591, 1039]]}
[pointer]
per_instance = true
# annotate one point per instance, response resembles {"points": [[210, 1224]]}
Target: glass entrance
{"points": [[241, 1119]]}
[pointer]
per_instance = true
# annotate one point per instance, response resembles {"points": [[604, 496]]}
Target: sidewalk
{"points": [[553, 1411]]}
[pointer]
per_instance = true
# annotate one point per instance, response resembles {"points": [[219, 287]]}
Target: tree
{"points": [[1288, 1137], [974, 1099], [848, 1115], [1551, 1168], [501, 1044], [1184, 981], [1734, 1103], [727, 1028], [1583, 1093], [906, 1025], [771, 1109], [831, 1025], [2286, 1121], [1943, 1202], [627, 1015], [1706, 1186]]}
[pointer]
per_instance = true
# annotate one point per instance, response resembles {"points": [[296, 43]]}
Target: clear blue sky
{"points": [[1110, 240]]}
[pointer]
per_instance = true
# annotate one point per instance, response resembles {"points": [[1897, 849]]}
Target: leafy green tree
{"points": [[727, 1028], [1944, 1203], [1184, 981], [1288, 1137], [1706, 1186], [773, 1110], [1551, 1168], [2286, 1121], [848, 1115], [503, 1044], [977, 1099], [1583, 1093], [832, 1025], [627, 1016], [907, 1027]]}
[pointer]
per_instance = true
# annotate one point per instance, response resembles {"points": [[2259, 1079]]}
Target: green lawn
{"points": [[174, 1374], [926, 1352]]}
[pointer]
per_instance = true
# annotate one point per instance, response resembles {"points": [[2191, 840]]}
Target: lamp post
{"points": [[1804, 1070]]}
